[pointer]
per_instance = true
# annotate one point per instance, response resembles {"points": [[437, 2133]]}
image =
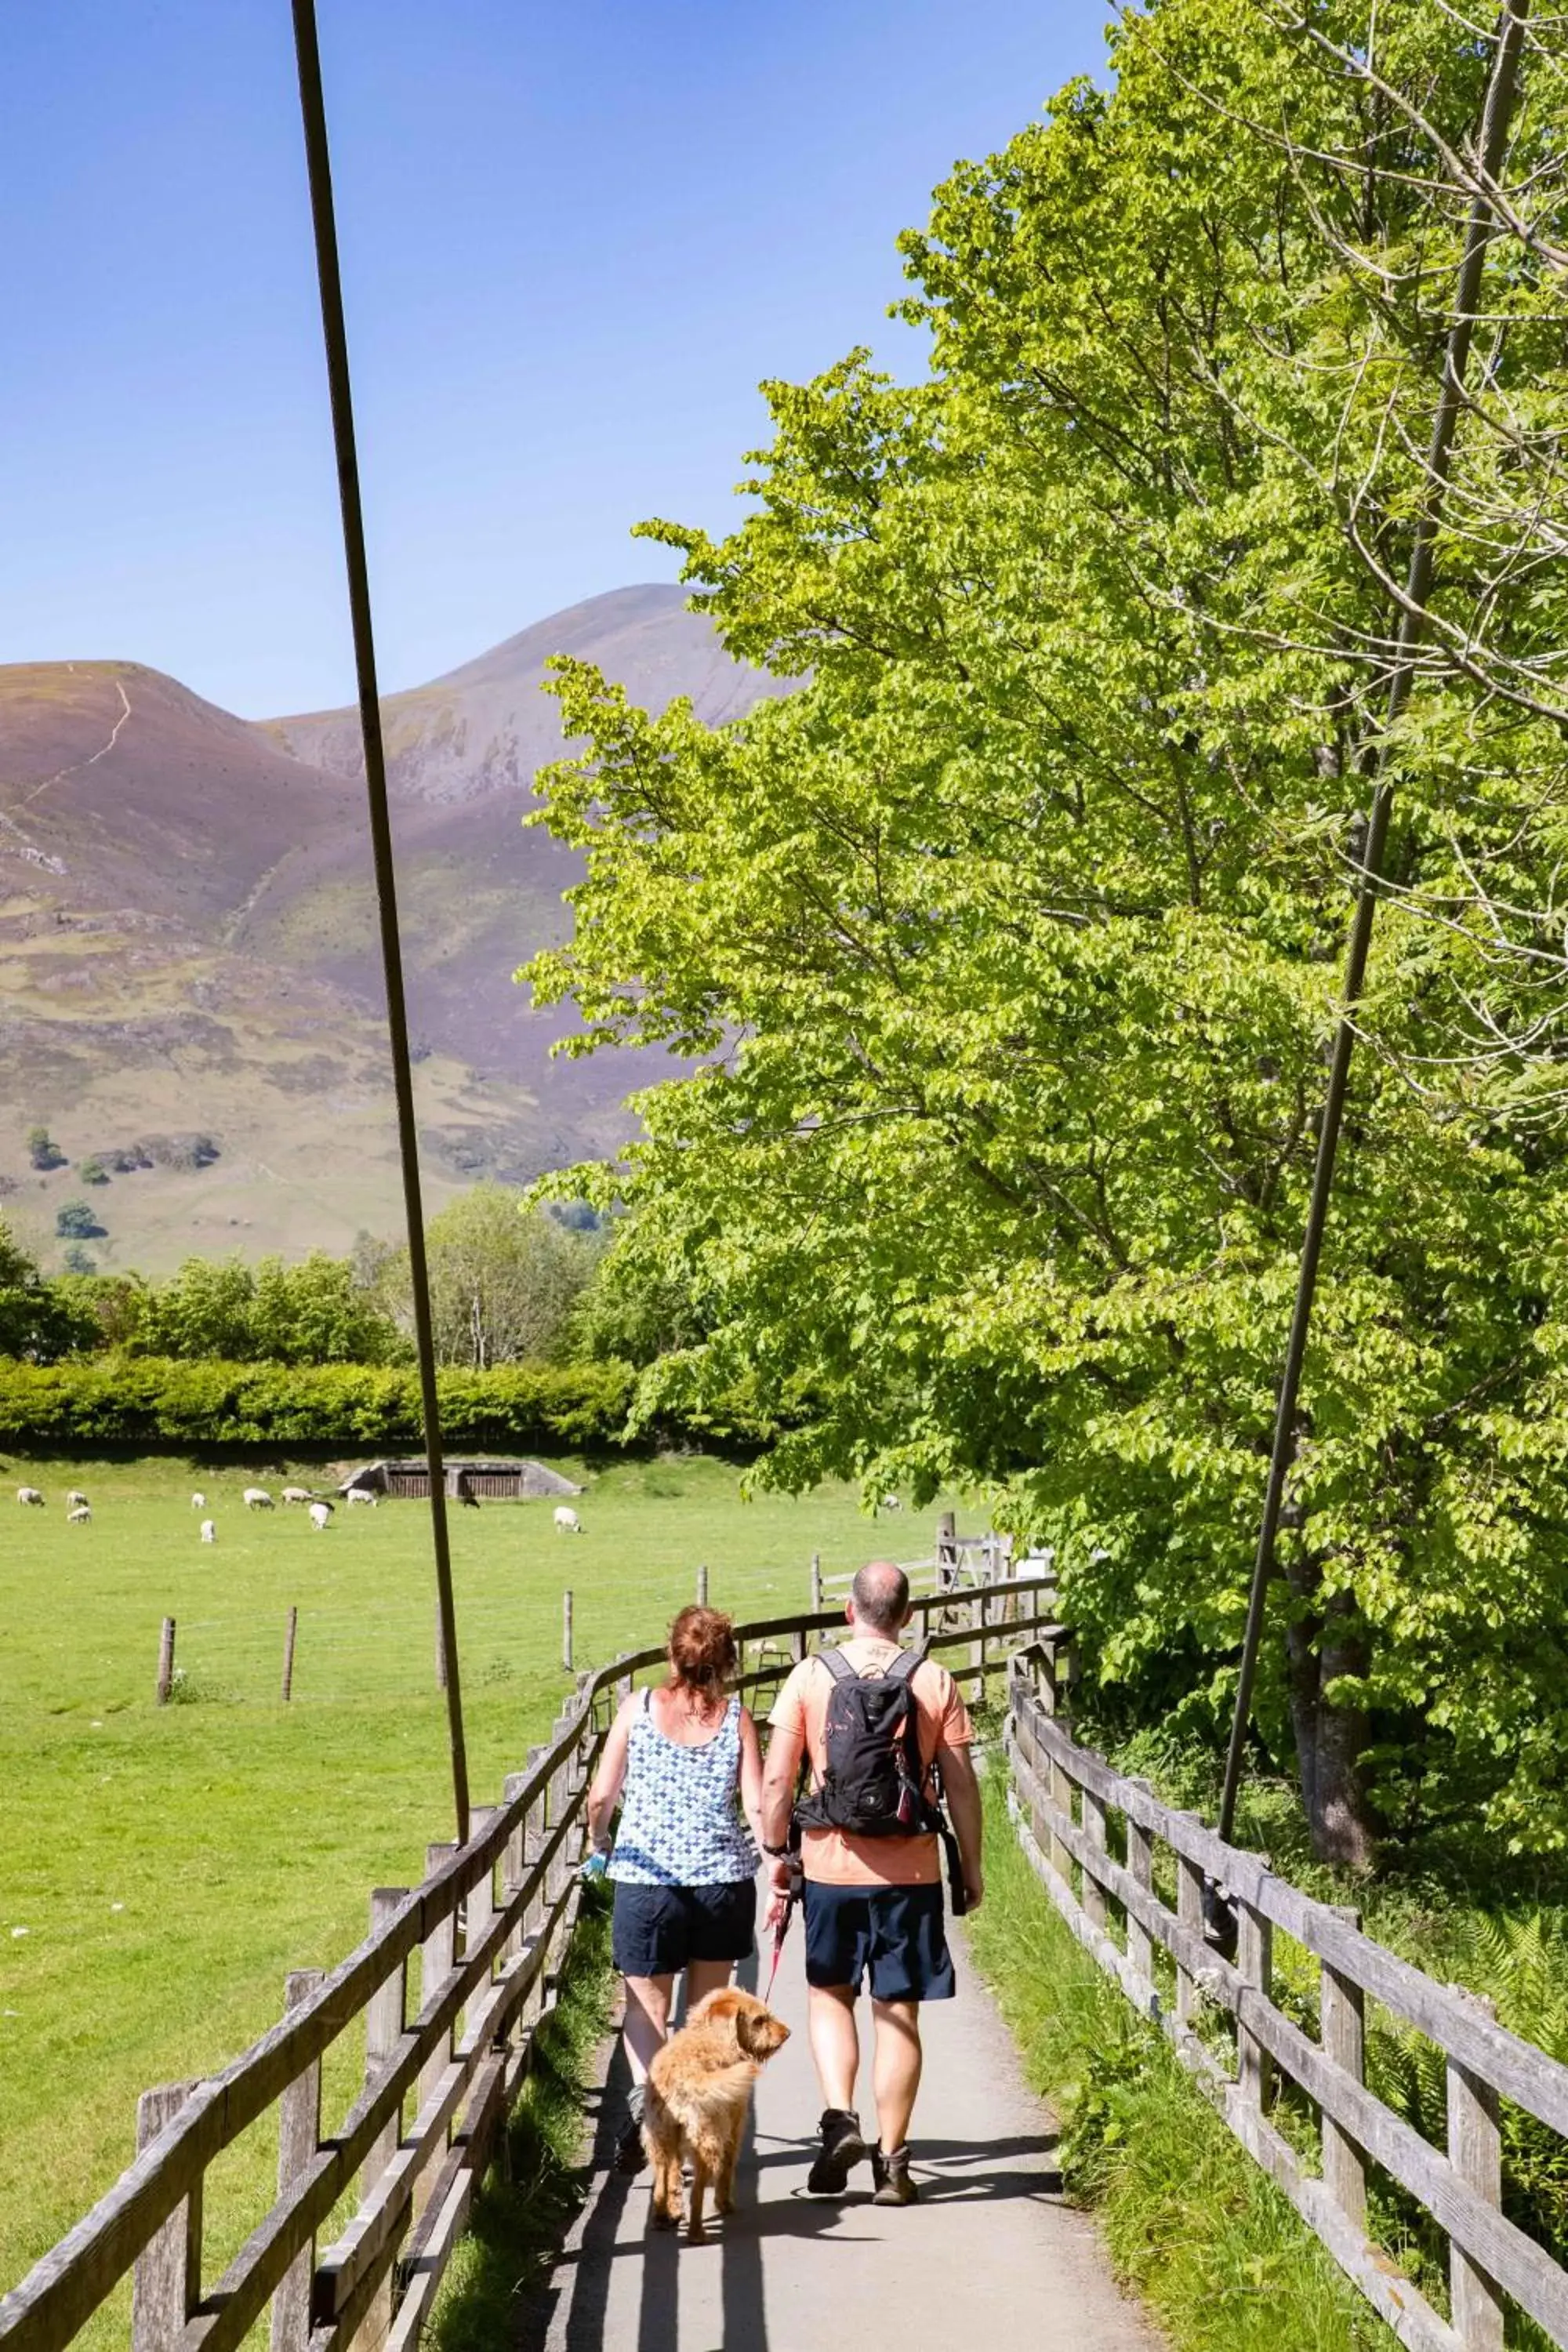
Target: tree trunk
{"points": [[1329, 1740]]}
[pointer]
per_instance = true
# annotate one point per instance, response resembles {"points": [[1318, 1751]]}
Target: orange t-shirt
{"points": [[832, 1857]]}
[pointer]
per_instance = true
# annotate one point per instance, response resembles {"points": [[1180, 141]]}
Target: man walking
{"points": [[873, 1719]]}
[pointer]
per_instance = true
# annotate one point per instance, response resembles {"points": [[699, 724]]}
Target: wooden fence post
{"points": [[1343, 2013], [816, 1585], [560, 1795], [513, 1862], [480, 1905], [165, 1665], [440, 1651], [437, 1958], [1475, 2151], [298, 2137], [1058, 1786], [1094, 1903], [977, 1647], [166, 2284], [946, 1550], [702, 1587], [537, 1906], [1140, 1866], [289, 1655], [1190, 1911], [1255, 1964], [384, 2018], [566, 1629]]}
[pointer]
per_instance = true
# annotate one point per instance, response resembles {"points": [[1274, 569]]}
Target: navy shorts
{"points": [[896, 1932], [657, 1930]]}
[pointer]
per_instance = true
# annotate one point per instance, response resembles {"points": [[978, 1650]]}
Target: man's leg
{"points": [[896, 2069], [834, 2043]]}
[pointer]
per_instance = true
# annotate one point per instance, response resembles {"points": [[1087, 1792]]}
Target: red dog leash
{"points": [[782, 1930]]}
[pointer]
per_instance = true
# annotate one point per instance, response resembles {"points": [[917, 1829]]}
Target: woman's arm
{"points": [[605, 1793], [750, 1776]]}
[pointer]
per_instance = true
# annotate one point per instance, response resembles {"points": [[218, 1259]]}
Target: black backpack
{"points": [[873, 1781]]}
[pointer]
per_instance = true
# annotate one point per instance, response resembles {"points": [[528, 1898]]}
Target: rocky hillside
{"points": [[187, 938]]}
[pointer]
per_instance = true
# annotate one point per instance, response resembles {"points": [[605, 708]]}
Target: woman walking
{"points": [[684, 1862]]}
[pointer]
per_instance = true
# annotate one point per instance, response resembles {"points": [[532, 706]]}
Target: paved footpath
{"points": [[990, 2257]]}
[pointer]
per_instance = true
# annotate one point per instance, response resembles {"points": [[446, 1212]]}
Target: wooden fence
{"points": [[491, 1925], [1069, 1806]]}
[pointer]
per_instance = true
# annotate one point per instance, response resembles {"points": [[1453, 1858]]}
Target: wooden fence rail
{"points": [[1064, 1800], [491, 1925]]}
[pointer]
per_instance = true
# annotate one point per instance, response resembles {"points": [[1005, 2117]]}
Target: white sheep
{"points": [[73, 1499], [30, 1495], [80, 1517], [891, 1503], [567, 1523], [199, 1502], [257, 1498], [296, 1493], [321, 1517], [361, 1495], [209, 1531]]}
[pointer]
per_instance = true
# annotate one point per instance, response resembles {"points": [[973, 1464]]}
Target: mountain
{"points": [[188, 943]]}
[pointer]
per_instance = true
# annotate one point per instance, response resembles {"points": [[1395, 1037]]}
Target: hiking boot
{"points": [[842, 2148], [630, 2156], [891, 2175]]}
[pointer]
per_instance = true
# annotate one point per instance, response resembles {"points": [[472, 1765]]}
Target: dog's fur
{"points": [[698, 2089]]}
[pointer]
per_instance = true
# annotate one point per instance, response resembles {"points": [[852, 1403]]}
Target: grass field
{"points": [[168, 1866]]}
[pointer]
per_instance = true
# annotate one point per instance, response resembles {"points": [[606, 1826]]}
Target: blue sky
{"points": [[576, 233]]}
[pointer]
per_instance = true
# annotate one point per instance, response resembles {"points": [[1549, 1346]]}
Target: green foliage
{"points": [[92, 1170], [77, 1221], [151, 1401], [1008, 946], [42, 1149], [38, 1322], [503, 1279], [313, 1313]]}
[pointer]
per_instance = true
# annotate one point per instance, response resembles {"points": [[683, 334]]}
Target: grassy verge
{"points": [[529, 2197], [1191, 2225]]}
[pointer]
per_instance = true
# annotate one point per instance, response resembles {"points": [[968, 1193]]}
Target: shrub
{"points": [[151, 1401], [76, 1221], [43, 1150], [92, 1170]]}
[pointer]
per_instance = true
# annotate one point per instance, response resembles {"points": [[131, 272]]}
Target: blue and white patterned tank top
{"points": [[679, 1826]]}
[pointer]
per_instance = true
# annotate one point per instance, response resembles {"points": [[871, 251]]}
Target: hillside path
{"points": [[990, 2257]]}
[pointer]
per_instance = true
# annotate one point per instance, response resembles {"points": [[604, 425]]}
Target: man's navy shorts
{"points": [[657, 1930], [893, 1933]]}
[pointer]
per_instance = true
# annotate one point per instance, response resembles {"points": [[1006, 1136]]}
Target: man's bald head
{"points": [[881, 1598]]}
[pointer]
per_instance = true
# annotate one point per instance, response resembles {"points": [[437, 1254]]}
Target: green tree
{"points": [[38, 1320], [503, 1281], [1007, 949], [92, 1170], [42, 1149]]}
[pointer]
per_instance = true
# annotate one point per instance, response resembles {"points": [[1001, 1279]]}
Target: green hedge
{"points": [[153, 1401]]}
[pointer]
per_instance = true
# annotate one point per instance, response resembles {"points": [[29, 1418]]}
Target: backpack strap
{"points": [[907, 1664], [838, 1665]]}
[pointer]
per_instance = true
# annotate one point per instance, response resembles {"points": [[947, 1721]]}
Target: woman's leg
{"points": [[646, 2022]]}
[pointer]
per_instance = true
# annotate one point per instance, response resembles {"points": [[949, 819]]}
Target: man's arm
{"points": [[778, 1781], [962, 1790]]}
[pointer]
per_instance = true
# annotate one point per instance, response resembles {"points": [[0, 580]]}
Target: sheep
{"points": [[209, 1531], [361, 1495], [321, 1517], [567, 1523], [891, 1503], [199, 1502], [257, 1498], [30, 1495], [73, 1499], [80, 1517]]}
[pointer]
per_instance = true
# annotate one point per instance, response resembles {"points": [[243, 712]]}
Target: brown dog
{"points": [[699, 2088]]}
